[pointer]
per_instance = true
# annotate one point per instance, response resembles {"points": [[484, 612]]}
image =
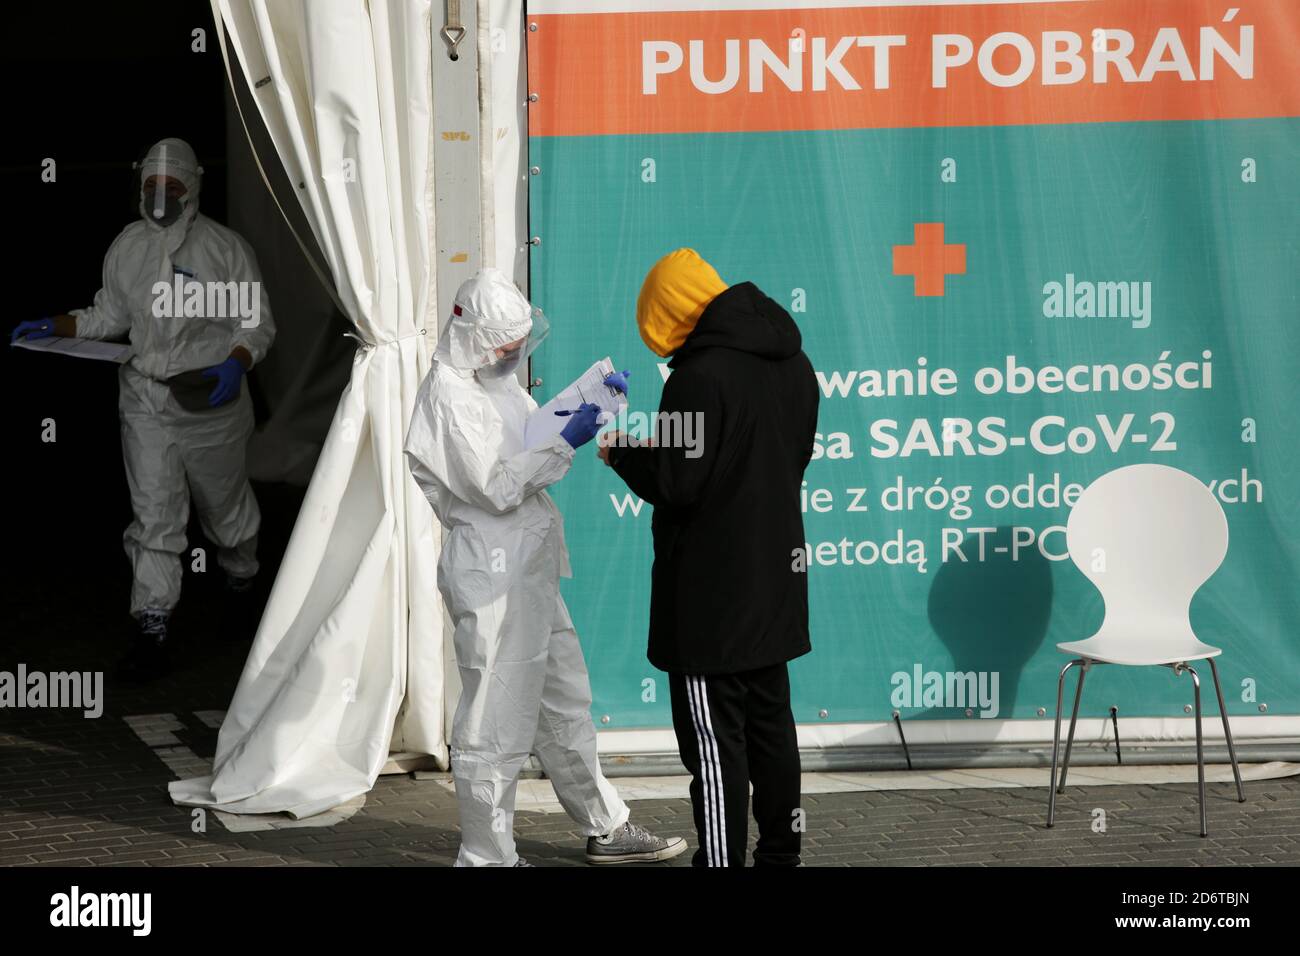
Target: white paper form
{"points": [[544, 424], [117, 352]]}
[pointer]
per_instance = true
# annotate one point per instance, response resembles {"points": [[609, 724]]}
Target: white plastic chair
{"points": [[1148, 536]]}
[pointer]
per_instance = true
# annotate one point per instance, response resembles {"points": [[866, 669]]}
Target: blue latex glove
{"points": [[36, 329], [582, 426], [228, 375], [618, 381]]}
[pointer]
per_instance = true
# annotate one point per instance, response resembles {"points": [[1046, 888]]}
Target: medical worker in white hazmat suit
{"points": [[524, 680], [186, 417]]}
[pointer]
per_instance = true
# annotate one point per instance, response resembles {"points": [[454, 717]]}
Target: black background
{"points": [[91, 86]]}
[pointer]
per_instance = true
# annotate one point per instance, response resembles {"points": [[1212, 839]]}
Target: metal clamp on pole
{"points": [[454, 31]]}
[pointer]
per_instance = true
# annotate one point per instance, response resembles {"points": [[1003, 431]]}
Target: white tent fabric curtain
{"points": [[348, 660]]}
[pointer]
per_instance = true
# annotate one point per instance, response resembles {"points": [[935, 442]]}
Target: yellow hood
{"points": [[673, 297]]}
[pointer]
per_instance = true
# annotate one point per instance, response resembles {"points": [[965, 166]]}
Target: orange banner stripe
{"points": [[586, 69]]}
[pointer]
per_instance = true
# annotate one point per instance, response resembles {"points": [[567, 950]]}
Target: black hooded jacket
{"points": [[729, 592]]}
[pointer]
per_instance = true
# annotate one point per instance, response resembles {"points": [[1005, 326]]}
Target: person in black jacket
{"points": [[729, 592]]}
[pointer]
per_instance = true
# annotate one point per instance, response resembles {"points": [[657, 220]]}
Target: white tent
{"points": [[349, 662]]}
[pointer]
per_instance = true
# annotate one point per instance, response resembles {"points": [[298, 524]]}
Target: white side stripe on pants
{"points": [[715, 819], [706, 775]]}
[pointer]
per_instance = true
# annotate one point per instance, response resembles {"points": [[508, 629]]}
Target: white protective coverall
{"points": [[524, 681], [163, 444]]}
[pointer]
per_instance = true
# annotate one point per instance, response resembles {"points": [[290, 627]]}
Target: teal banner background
{"points": [[1158, 202]]}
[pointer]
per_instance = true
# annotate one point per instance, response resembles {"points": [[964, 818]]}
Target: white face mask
{"points": [[503, 367]]}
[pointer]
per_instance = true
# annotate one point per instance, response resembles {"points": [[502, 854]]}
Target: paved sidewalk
{"points": [[93, 793]]}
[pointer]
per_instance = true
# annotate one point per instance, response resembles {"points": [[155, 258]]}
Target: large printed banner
{"points": [[1026, 243]]}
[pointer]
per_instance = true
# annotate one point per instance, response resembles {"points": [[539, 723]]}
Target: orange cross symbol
{"points": [[928, 259]]}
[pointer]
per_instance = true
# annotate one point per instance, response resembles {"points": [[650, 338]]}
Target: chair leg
{"points": [[1200, 748], [1056, 743], [1074, 719], [1227, 732]]}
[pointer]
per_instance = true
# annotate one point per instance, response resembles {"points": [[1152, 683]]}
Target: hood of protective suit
{"points": [[673, 297], [174, 158], [488, 312]]}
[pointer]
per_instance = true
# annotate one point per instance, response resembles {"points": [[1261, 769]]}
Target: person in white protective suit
{"points": [[524, 681], [187, 292]]}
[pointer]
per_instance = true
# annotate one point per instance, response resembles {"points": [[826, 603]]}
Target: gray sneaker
{"points": [[520, 861], [632, 844]]}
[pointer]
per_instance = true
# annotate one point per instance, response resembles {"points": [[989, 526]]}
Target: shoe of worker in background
{"points": [[239, 610], [148, 659], [632, 844], [239, 586]]}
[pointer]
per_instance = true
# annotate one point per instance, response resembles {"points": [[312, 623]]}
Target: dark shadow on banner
{"points": [[993, 614]]}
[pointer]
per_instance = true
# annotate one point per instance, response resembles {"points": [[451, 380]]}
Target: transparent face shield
{"points": [[510, 358], [168, 178]]}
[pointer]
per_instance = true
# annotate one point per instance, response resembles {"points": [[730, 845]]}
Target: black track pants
{"points": [[733, 730]]}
